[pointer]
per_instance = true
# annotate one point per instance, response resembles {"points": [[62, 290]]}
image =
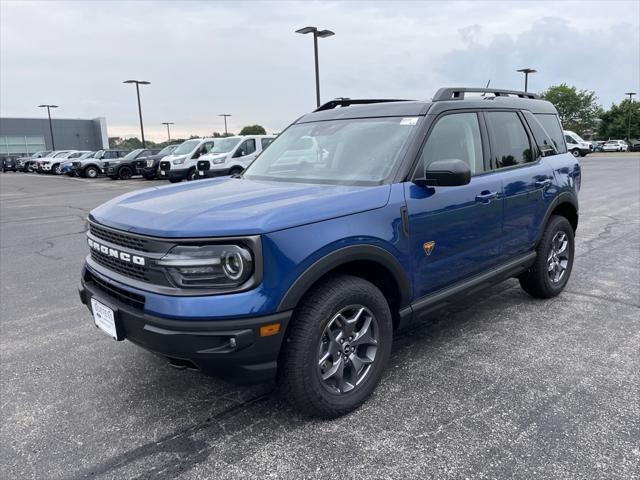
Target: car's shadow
{"points": [[232, 422]]}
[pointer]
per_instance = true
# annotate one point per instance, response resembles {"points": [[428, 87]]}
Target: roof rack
{"points": [[450, 93], [345, 102]]}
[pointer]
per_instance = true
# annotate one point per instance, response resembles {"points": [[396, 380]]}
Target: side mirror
{"points": [[196, 154], [445, 173], [239, 153]]}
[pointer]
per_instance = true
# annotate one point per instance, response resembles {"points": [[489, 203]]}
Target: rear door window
{"points": [[509, 140]]}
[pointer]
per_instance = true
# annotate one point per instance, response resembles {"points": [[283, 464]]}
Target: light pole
{"points": [[49, 107], [168, 132], [631, 94], [138, 83], [526, 72], [225, 115], [322, 34]]}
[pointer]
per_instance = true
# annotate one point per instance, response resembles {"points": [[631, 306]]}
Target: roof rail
{"points": [[451, 93], [345, 102]]}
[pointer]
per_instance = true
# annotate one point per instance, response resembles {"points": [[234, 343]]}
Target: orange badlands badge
{"points": [[428, 247]]}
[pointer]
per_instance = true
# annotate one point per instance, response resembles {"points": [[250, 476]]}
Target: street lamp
{"points": [[322, 34], [168, 132], [526, 72], [225, 115], [49, 107], [631, 94], [138, 83]]}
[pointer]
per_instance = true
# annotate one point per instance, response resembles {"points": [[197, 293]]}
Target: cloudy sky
{"points": [[205, 58]]}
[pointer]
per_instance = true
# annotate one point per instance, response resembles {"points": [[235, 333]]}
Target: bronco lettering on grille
{"points": [[112, 252]]}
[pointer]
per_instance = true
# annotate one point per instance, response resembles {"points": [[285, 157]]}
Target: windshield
{"points": [[225, 145], [133, 154], [186, 147], [167, 150], [355, 151]]}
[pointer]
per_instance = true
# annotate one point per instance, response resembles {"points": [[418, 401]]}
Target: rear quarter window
{"points": [[546, 146], [551, 125]]}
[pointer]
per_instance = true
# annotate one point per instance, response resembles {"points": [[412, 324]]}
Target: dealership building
{"points": [[24, 136]]}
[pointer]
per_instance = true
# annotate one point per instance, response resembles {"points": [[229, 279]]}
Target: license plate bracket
{"points": [[106, 319]]}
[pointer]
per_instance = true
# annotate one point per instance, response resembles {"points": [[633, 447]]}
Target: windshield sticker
{"points": [[409, 121]]}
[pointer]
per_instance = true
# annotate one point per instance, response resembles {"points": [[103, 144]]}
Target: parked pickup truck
{"points": [[92, 166], [150, 168], [301, 268], [126, 167]]}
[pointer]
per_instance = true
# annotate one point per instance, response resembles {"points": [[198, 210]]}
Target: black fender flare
{"points": [[340, 257], [564, 197]]}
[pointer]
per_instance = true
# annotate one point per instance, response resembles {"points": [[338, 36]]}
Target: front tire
{"points": [[125, 173], [91, 172], [575, 152], [191, 175], [337, 347], [554, 261], [56, 169]]}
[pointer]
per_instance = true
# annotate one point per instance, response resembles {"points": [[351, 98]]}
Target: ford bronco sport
{"points": [[301, 268]]}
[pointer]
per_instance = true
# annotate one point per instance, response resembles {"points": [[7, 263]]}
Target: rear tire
{"points": [[337, 347], [125, 173], [550, 273]]}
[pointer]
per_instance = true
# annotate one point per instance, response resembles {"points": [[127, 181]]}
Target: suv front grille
{"points": [[118, 293], [117, 238], [124, 268], [165, 166]]}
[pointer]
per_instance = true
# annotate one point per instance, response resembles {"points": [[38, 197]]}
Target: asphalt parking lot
{"points": [[502, 387]]}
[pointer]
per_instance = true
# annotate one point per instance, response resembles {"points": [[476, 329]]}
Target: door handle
{"points": [[486, 196], [543, 183]]}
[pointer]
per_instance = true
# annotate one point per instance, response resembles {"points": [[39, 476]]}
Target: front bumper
{"points": [[210, 173], [178, 174], [150, 172], [230, 349]]}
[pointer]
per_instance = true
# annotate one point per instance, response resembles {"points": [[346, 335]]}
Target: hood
{"points": [[234, 206], [211, 156]]}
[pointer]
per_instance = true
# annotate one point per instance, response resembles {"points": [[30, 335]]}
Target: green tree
{"points": [[578, 109], [614, 123], [253, 130]]}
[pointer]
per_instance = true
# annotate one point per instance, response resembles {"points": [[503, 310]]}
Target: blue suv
{"points": [[359, 218]]}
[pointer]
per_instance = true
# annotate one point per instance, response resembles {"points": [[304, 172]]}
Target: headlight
{"points": [[149, 163], [208, 266], [220, 160], [178, 161]]}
